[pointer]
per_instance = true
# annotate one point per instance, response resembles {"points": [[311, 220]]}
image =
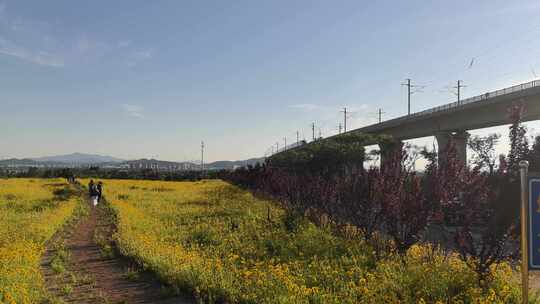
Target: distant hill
{"points": [[79, 158], [227, 164]]}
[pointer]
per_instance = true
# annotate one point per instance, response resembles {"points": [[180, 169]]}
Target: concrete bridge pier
{"points": [[388, 148], [459, 139]]}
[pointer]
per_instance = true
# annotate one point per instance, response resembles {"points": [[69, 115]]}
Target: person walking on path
{"points": [[90, 186], [92, 189], [99, 191]]}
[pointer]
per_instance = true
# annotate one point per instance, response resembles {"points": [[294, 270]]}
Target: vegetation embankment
{"points": [[471, 211], [224, 245], [31, 211]]}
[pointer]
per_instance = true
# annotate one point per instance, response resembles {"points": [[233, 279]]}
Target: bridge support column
{"points": [[388, 149], [459, 139]]}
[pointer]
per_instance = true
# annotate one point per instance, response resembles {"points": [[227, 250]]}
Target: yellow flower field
{"points": [[29, 215], [214, 240]]}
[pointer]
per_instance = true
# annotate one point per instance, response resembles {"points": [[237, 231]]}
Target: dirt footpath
{"points": [[82, 267]]}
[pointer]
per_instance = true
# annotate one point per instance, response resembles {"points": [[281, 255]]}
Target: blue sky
{"points": [[153, 78]]}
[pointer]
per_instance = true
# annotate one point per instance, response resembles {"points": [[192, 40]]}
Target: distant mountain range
{"points": [[79, 158], [82, 159]]}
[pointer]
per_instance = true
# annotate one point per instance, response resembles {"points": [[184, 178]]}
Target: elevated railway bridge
{"points": [[453, 120]]}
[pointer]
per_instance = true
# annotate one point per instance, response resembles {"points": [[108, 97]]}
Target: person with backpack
{"points": [[90, 187], [99, 191]]}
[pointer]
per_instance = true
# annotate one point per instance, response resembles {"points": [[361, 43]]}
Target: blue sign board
{"points": [[533, 223]]}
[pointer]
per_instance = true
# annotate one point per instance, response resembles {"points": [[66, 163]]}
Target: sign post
{"points": [[530, 224], [525, 198]]}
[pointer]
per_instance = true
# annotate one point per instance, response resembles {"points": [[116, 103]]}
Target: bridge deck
{"points": [[486, 110]]}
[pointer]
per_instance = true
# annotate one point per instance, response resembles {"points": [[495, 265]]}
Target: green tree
{"points": [[484, 150], [339, 155], [519, 146]]}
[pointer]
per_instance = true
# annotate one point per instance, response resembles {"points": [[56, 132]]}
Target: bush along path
{"points": [[81, 264]]}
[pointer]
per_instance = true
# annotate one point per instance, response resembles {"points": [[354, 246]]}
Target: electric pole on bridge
{"points": [[408, 84], [313, 130], [458, 88], [409, 93], [344, 119], [380, 115], [297, 138]]}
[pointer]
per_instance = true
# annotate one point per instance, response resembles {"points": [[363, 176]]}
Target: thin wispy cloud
{"points": [[87, 45], [123, 43], [15, 40], [38, 42], [38, 57], [139, 56], [133, 110]]}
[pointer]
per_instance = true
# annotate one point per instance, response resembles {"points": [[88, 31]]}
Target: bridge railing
{"points": [[486, 96]]}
